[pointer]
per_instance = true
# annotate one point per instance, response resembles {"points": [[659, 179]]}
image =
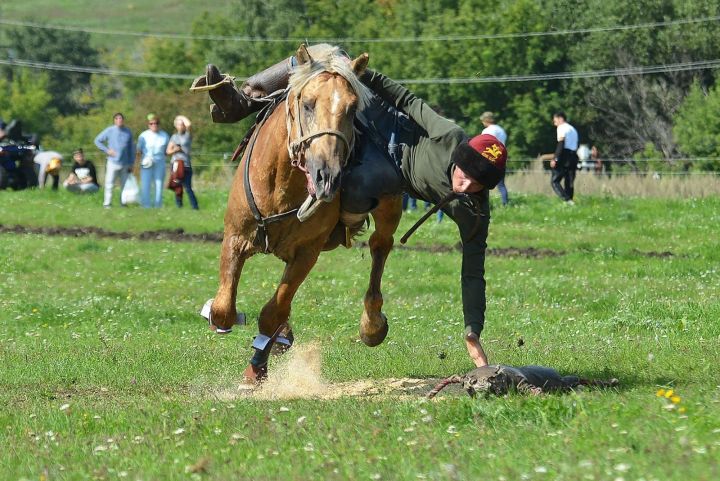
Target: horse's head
{"points": [[324, 94]]}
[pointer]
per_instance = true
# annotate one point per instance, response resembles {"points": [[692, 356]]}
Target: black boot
{"points": [[232, 104]]}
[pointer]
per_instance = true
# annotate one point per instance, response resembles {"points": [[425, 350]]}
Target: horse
{"points": [[295, 158]]}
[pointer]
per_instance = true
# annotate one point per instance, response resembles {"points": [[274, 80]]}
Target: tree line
{"points": [[667, 115]]}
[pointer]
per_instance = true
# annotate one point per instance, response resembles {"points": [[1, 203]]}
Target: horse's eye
{"points": [[309, 106]]}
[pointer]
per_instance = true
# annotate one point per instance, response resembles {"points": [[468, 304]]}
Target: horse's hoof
{"points": [[377, 337], [254, 374]]}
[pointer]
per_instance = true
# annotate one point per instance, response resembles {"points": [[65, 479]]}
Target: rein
{"points": [[445, 201], [261, 237]]}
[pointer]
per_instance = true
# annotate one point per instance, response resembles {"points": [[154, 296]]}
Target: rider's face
{"points": [[463, 183]]}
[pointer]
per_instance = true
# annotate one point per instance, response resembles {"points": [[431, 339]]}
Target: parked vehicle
{"points": [[17, 169]]}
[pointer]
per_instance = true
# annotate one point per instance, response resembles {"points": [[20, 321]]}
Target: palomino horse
{"points": [[297, 154]]}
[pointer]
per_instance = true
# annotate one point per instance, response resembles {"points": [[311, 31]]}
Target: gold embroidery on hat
{"points": [[492, 153]]}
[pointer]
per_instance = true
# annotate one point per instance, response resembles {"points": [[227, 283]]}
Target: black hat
{"points": [[482, 158]]}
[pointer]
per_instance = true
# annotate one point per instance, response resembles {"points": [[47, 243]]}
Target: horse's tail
{"points": [[443, 384]]}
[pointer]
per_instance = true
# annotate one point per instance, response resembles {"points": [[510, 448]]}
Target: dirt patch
{"points": [[298, 376], [492, 251], [179, 235], [663, 254], [175, 235]]}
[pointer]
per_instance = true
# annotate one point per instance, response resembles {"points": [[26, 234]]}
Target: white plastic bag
{"points": [[131, 191]]}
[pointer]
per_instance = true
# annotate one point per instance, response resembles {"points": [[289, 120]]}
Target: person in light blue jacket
{"points": [[117, 143], [151, 148]]}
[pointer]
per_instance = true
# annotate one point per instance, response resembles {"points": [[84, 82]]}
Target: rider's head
{"points": [[480, 161]]}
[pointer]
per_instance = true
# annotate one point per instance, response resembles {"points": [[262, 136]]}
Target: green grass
{"points": [[110, 328], [156, 16]]}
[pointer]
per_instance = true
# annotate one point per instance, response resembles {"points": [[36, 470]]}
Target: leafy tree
{"points": [[27, 99], [62, 47], [626, 113], [697, 127]]}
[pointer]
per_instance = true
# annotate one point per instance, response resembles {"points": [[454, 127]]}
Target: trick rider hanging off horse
{"points": [[403, 145]]}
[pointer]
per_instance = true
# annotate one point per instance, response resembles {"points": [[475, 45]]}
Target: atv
{"points": [[17, 169]]}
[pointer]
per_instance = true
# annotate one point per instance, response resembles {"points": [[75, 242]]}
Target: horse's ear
{"points": [[302, 55], [360, 64]]}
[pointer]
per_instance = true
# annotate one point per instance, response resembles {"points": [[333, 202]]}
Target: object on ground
{"points": [[499, 379]]}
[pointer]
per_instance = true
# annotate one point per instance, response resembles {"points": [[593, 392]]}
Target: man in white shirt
{"points": [[488, 121], [564, 165]]}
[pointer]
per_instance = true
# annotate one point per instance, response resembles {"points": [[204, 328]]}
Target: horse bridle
{"points": [[296, 151], [297, 147]]}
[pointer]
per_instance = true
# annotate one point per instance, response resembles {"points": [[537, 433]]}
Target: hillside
{"points": [[164, 16]]}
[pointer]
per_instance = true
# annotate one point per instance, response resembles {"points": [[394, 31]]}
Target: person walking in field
{"points": [[488, 121], [151, 147], [116, 142], [564, 165], [432, 159]]}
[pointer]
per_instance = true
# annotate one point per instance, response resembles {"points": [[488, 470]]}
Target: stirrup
{"points": [[200, 84]]}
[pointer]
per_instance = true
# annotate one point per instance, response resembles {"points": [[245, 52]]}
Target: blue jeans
{"points": [[503, 191], [152, 176], [187, 186], [408, 201]]}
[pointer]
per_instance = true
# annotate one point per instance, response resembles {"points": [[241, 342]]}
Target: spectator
{"points": [[151, 147], [179, 148], [83, 177], [117, 143], [564, 164], [488, 121], [3, 132], [600, 164], [408, 203], [48, 164]]}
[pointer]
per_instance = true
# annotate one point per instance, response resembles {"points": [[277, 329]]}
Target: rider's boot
{"points": [[349, 226], [232, 104]]}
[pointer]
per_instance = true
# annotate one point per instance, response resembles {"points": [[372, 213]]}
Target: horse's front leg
{"points": [[373, 323], [275, 314], [235, 251]]}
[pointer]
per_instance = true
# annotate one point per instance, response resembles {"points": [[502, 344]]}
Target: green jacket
{"points": [[427, 169]]}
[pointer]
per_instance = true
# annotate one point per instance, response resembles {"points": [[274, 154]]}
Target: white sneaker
{"points": [[570, 202]]}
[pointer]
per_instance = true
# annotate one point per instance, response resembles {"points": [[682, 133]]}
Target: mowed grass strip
{"points": [[109, 373]]}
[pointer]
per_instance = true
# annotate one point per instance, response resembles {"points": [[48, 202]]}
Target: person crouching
{"points": [[83, 177]]}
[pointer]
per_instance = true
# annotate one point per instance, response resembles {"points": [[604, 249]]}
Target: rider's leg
{"points": [[232, 104]]}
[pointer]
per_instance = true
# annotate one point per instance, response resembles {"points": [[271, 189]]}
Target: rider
{"points": [[404, 146]]}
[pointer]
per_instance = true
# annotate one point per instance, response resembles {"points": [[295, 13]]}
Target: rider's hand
{"points": [[477, 354], [553, 163]]}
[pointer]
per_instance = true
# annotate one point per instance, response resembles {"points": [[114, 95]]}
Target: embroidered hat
{"points": [[483, 158]]}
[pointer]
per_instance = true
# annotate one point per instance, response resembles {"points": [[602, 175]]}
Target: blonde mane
{"points": [[327, 58]]}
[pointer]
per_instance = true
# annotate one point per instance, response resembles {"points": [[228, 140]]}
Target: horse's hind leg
{"points": [[235, 251], [373, 323], [277, 310]]}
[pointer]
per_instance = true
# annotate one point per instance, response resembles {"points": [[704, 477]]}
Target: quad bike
{"points": [[17, 169]]}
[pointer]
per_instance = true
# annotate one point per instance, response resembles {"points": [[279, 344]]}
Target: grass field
{"points": [[109, 373], [157, 16]]}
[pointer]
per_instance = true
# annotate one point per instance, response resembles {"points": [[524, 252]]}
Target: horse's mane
{"points": [[327, 58]]}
